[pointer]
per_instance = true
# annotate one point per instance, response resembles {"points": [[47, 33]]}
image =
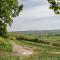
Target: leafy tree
{"points": [[8, 10], [54, 6]]}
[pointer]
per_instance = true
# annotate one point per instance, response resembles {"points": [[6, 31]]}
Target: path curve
{"points": [[20, 50]]}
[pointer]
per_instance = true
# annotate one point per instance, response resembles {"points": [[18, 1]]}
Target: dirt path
{"points": [[20, 50]]}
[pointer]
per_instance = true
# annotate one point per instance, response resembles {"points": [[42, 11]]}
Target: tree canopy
{"points": [[54, 6], [8, 10]]}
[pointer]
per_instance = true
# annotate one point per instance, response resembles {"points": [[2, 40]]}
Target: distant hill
{"points": [[40, 32]]}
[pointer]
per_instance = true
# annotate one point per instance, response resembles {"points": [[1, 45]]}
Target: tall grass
{"points": [[5, 44]]}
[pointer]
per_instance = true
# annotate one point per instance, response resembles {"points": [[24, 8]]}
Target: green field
{"points": [[44, 47]]}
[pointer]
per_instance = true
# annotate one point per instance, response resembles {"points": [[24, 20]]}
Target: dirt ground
{"points": [[20, 50]]}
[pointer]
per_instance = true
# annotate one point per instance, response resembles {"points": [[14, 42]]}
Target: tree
{"points": [[8, 10], [54, 6]]}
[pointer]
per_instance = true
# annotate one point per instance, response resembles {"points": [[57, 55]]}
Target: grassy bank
{"points": [[5, 45]]}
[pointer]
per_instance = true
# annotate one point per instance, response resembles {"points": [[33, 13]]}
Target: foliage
{"points": [[5, 44], [31, 39], [54, 6], [8, 9]]}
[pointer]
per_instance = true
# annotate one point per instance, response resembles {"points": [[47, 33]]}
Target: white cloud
{"points": [[36, 17], [37, 12]]}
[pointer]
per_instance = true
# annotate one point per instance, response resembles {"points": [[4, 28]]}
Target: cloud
{"points": [[36, 12], [49, 23], [35, 16], [31, 3]]}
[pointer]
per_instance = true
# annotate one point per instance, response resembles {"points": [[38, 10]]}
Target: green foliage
{"points": [[35, 39], [54, 6], [8, 9], [5, 44]]}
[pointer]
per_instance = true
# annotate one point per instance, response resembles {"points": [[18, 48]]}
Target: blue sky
{"points": [[35, 16]]}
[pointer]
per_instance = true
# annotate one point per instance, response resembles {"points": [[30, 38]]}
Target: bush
{"points": [[56, 44], [5, 44], [35, 40], [44, 42], [32, 40]]}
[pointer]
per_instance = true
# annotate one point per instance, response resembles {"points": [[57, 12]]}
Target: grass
{"points": [[41, 50], [5, 45]]}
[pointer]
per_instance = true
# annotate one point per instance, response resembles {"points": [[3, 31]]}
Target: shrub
{"points": [[44, 42], [35, 40], [56, 44], [5, 44], [32, 40]]}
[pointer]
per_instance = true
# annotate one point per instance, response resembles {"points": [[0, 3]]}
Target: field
{"points": [[45, 47]]}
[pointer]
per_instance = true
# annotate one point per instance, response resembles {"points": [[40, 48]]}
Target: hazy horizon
{"points": [[35, 16]]}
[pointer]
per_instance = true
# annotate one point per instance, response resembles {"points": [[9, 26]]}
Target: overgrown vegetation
{"points": [[37, 40], [5, 45]]}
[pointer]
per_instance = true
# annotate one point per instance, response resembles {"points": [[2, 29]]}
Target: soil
{"points": [[20, 50]]}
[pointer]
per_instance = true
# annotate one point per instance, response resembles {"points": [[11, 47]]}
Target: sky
{"points": [[35, 16]]}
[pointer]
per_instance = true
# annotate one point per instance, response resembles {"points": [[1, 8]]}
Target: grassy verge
{"points": [[5, 45]]}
